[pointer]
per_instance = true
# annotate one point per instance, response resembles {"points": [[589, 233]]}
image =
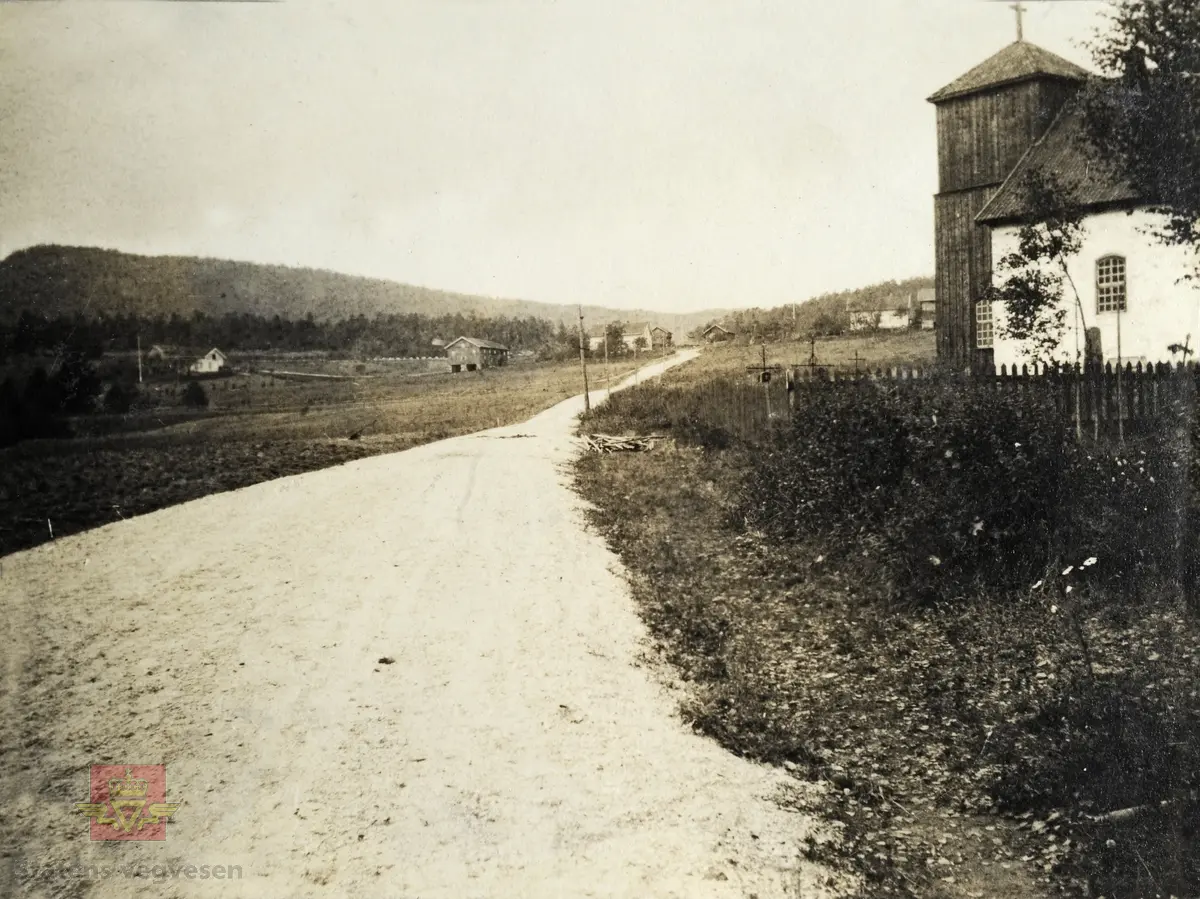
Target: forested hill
{"points": [[62, 281]]}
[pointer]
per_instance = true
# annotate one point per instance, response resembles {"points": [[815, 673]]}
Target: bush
{"points": [[76, 383], [119, 398], [195, 396], [954, 487], [708, 416], [31, 410]]}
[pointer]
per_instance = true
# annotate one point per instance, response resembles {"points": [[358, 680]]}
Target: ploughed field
{"points": [[254, 429]]}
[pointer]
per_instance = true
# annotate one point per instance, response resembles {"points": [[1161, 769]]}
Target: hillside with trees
{"points": [[57, 281], [822, 315]]}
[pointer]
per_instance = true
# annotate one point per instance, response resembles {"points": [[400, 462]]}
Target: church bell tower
{"points": [[986, 120]]}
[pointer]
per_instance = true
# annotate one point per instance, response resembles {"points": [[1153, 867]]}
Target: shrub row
{"points": [[954, 488]]}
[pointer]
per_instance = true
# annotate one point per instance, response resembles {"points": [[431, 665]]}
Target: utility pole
{"points": [[607, 372], [139, 341], [766, 380], [587, 400]]}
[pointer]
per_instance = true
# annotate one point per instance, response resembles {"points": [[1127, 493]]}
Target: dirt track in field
{"points": [[515, 747]]}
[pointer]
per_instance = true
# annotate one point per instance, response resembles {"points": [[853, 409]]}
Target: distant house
{"points": [[927, 308], [157, 353], [636, 331], [880, 316], [211, 363], [716, 333], [653, 336], [473, 353]]}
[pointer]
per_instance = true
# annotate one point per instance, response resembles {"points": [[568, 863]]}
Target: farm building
{"points": [[652, 336], [885, 316], [211, 363], [717, 333], [474, 353], [927, 308], [1016, 116]]}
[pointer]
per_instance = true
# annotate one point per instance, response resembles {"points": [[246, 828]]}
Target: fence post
{"points": [[1079, 406], [1190, 574]]}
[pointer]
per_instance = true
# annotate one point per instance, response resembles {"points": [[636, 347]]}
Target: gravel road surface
{"points": [[516, 745]]}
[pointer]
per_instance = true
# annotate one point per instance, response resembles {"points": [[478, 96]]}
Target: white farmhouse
{"points": [[1130, 285], [892, 315], [210, 363], [652, 337]]}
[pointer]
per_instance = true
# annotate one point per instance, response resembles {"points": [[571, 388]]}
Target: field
{"points": [[991, 660], [913, 348], [255, 428]]}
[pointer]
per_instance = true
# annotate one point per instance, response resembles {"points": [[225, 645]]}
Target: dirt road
{"points": [[516, 746]]}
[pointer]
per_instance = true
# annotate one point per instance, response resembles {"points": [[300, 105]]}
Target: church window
{"points": [[1110, 284], [984, 333]]}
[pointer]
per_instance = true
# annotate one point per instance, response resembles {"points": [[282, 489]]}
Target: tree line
{"points": [[402, 334]]}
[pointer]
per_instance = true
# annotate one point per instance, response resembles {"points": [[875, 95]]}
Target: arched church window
{"points": [[1110, 284]]}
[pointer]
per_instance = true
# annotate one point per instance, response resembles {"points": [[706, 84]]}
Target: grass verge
{"points": [[1023, 742]]}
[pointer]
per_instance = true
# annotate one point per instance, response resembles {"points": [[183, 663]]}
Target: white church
{"points": [[1130, 284], [1018, 113]]}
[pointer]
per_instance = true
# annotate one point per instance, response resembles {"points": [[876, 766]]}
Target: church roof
{"points": [[1063, 154], [1019, 61]]}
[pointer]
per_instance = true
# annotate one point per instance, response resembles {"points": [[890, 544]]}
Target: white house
{"points": [[880, 316], [1130, 285], [653, 336], [209, 364]]}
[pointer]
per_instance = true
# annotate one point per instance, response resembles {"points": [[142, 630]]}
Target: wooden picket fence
{"points": [[1100, 403]]}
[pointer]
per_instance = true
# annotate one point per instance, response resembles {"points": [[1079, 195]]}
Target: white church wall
{"points": [[1160, 309]]}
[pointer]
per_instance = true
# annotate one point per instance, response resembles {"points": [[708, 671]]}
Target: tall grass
{"points": [[1051, 572]]}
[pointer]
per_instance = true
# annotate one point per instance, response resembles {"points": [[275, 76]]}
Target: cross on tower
{"points": [[1019, 8]]}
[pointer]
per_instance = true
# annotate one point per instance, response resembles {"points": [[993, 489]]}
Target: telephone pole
{"points": [[139, 341], [766, 380], [607, 371], [587, 400]]}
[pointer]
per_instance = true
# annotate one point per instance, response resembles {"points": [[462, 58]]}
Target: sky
{"points": [[666, 154]]}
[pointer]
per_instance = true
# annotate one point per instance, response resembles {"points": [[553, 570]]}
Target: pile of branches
{"points": [[604, 443]]}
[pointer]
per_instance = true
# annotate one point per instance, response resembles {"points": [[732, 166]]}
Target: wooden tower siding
{"points": [[963, 263], [981, 137]]}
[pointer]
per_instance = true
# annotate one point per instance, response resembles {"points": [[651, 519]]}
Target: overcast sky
{"points": [[673, 155]]}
